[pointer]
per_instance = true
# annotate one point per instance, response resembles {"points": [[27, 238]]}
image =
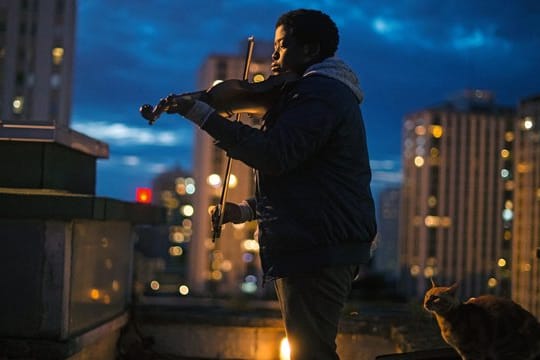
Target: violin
{"points": [[228, 97]]}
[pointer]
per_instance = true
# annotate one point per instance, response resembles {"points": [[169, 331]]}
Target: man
{"points": [[313, 203]]}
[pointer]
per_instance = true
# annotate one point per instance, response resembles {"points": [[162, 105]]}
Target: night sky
{"points": [[408, 55]]}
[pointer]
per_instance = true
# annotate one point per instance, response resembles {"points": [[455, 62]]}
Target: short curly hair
{"points": [[312, 27]]}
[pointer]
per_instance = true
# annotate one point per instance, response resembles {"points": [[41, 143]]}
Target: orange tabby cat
{"points": [[486, 327]]}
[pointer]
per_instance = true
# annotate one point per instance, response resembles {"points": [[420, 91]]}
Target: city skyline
{"points": [[408, 56]]}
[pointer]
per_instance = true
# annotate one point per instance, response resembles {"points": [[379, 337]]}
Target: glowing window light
{"points": [[249, 287], [501, 262], [429, 272], [432, 201], [94, 294], [57, 55], [528, 123], [226, 266], [432, 221], [176, 251], [18, 104], [509, 136], [507, 235], [284, 349], [437, 131], [183, 290], [247, 257], [508, 204], [217, 275], [507, 214], [505, 173], [250, 245], [177, 237], [233, 181], [526, 267], [154, 285], [187, 210], [420, 130], [415, 270], [492, 282], [115, 285], [505, 153], [419, 161], [190, 189], [214, 180]]}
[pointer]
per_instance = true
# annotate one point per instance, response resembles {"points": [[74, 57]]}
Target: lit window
{"points": [[492, 282], [415, 270], [527, 123], [501, 262], [437, 131], [505, 173], [509, 136], [214, 180], [176, 251], [183, 290], [18, 105], [57, 55], [154, 285], [419, 161], [233, 181], [505, 153], [507, 214], [420, 130], [187, 210]]}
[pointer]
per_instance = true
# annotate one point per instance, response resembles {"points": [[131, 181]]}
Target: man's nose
{"points": [[275, 55]]}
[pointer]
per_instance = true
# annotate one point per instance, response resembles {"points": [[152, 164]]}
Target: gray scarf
{"points": [[335, 68]]}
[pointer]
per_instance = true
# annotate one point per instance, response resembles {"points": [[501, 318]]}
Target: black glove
{"points": [[178, 105], [232, 214]]}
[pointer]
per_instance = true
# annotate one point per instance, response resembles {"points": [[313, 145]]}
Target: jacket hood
{"points": [[335, 68]]}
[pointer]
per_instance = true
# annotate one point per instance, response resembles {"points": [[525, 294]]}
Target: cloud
{"points": [[123, 135]]}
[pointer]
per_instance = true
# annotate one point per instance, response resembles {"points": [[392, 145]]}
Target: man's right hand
{"points": [[232, 214]]}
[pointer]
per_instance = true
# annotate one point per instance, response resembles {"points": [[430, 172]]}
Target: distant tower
{"points": [[387, 256], [36, 61], [526, 235], [457, 197], [231, 265]]}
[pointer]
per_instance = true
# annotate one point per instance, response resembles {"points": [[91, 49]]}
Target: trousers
{"points": [[311, 305]]}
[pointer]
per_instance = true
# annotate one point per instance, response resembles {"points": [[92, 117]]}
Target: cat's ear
{"points": [[433, 283], [452, 289]]}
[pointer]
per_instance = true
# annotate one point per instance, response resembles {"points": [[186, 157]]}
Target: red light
{"points": [[143, 195]]}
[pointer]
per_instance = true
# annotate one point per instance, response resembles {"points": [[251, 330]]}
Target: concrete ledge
{"points": [[97, 343], [57, 205]]}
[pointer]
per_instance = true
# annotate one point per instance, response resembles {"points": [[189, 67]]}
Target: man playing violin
{"points": [[313, 201]]}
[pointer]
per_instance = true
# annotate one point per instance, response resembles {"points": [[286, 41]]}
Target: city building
{"points": [[230, 265], [526, 235], [36, 61], [457, 211], [387, 252]]}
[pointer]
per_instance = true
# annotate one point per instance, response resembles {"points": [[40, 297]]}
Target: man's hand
{"points": [[178, 105], [232, 213]]}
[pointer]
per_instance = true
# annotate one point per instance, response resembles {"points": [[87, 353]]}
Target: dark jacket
{"points": [[314, 203]]}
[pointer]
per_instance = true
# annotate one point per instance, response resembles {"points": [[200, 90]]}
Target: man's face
{"points": [[288, 55]]}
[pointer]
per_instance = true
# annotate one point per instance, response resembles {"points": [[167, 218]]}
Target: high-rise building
{"points": [[526, 233], [387, 253], [231, 264], [36, 61], [456, 219]]}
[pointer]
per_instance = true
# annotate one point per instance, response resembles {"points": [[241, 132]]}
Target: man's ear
{"points": [[312, 51]]}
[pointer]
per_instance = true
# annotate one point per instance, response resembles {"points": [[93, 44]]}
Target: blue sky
{"points": [[408, 54]]}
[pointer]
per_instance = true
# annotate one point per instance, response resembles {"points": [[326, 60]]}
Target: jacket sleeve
{"points": [[304, 125]]}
